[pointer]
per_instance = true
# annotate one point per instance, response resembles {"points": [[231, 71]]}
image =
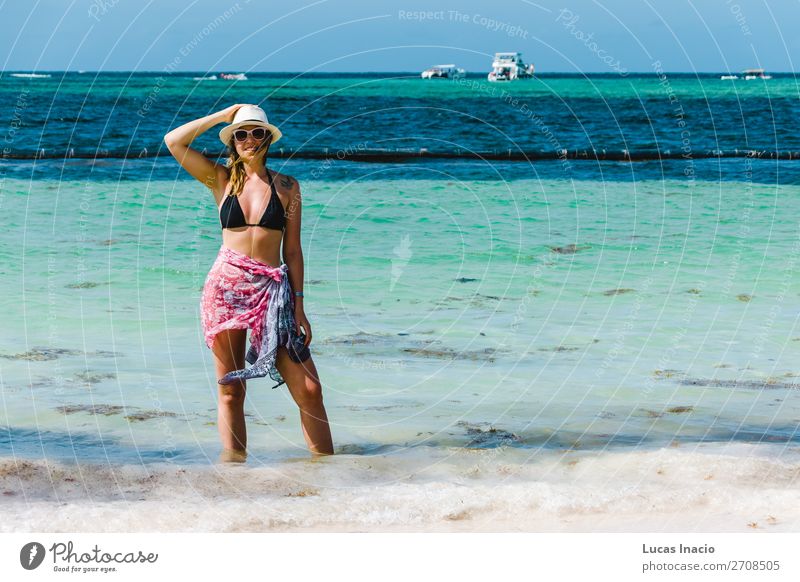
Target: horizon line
{"points": [[611, 73]]}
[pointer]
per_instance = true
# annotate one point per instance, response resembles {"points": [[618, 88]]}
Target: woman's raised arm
{"points": [[194, 162]]}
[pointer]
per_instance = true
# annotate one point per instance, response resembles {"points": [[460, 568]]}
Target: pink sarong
{"points": [[241, 292]]}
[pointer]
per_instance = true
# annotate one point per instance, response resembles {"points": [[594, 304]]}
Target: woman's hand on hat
{"points": [[229, 112]]}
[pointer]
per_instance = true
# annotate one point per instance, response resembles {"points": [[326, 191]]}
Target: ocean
{"points": [[556, 341]]}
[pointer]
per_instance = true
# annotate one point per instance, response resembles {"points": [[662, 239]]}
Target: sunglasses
{"points": [[258, 133]]}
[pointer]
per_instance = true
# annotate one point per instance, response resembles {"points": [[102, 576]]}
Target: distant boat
{"points": [[509, 67], [729, 77], [443, 72], [233, 76], [750, 74], [210, 78], [31, 75]]}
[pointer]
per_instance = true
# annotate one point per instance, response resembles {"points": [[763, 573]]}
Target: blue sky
{"points": [[349, 35]]}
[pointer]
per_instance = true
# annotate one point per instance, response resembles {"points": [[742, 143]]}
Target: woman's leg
{"points": [[304, 386], [229, 352]]}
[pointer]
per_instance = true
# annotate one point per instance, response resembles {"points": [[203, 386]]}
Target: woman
{"points": [[248, 286]]}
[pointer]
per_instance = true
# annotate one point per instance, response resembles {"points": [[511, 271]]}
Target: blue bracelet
{"points": [[298, 294]]}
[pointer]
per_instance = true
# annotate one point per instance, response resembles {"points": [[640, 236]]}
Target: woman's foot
{"points": [[232, 456]]}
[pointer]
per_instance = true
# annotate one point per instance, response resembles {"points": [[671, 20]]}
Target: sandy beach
{"points": [[742, 488]]}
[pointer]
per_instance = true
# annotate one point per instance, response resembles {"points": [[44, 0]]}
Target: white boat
{"points": [[729, 77], [509, 67], [210, 78], [750, 74], [233, 76], [31, 75], [443, 72]]}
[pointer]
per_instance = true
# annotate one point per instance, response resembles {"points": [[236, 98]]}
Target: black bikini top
{"points": [[231, 215]]}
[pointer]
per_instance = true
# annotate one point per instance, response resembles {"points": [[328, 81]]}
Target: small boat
{"points": [[443, 72], [509, 67], [729, 77], [31, 75], [750, 74], [233, 76], [209, 78]]}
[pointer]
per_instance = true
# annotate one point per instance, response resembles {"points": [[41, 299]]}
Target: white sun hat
{"points": [[249, 115]]}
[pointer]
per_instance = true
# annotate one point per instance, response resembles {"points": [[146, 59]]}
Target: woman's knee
{"points": [[232, 395], [310, 394]]}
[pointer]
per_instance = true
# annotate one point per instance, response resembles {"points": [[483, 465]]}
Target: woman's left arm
{"points": [[293, 252]]}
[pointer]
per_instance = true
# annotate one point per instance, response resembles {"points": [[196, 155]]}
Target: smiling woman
{"points": [[248, 287]]}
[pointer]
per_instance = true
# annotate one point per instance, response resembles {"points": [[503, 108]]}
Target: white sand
{"points": [[716, 488]]}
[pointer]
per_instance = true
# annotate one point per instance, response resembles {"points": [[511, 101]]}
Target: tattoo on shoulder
{"points": [[287, 182]]}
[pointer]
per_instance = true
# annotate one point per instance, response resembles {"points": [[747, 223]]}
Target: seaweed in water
{"points": [[148, 414], [112, 409], [680, 409], [569, 249], [42, 354], [487, 437], [667, 373], [357, 338], [374, 407], [486, 354], [770, 383], [104, 409], [609, 292], [559, 349], [671, 410], [476, 299], [84, 285], [94, 377]]}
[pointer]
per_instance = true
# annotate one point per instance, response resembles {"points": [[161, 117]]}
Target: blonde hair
{"points": [[235, 163]]}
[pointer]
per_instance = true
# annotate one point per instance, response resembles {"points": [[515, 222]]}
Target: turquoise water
{"points": [[440, 309]]}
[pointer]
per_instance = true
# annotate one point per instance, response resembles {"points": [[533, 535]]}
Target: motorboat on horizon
{"points": [[443, 72], [509, 67], [31, 75], [750, 74]]}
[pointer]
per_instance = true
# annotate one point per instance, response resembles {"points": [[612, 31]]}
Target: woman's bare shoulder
{"points": [[286, 184]]}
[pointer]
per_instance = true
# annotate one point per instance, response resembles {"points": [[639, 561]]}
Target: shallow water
{"points": [[590, 314]]}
